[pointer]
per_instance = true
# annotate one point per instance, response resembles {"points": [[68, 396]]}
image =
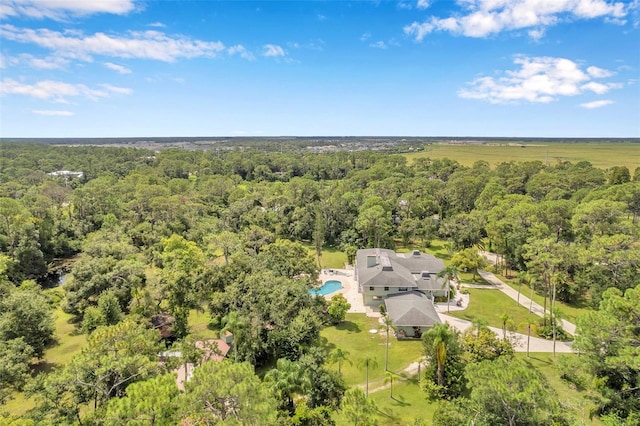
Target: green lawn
{"points": [[577, 401], [439, 249], [603, 155], [568, 312], [199, 325], [489, 305], [408, 405], [68, 343], [69, 340], [331, 256], [353, 336]]}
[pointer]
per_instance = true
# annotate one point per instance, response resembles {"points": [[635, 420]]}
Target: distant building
{"points": [[67, 173]]}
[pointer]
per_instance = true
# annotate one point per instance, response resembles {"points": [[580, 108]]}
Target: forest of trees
{"points": [[239, 235]]}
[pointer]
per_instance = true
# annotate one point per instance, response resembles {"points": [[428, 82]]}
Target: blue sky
{"points": [[529, 68]]}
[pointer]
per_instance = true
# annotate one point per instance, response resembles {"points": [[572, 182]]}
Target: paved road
{"points": [[518, 340], [523, 300]]}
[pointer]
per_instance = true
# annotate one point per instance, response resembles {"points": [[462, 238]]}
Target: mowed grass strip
{"points": [[567, 312], [603, 155], [489, 305], [408, 404], [353, 336]]}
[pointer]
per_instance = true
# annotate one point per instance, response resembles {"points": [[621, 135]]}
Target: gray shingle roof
{"points": [[390, 269], [412, 308]]}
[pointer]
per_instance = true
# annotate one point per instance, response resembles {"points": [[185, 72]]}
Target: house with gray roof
{"points": [[406, 283], [381, 272], [412, 313]]}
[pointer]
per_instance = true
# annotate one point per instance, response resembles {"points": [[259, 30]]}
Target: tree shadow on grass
{"points": [[390, 414], [399, 401], [328, 346], [349, 326], [42, 367]]}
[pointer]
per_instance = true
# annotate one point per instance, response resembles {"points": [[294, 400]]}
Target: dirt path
{"points": [[410, 371]]}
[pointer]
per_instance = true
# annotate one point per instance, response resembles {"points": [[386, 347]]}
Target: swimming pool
{"points": [[327, 288]]}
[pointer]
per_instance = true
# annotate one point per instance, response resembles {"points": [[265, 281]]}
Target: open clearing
{"points": [[603, 155]]}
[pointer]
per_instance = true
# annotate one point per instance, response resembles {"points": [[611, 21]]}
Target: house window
{"points": [[403, 289], [386, 289], [370, 288]]}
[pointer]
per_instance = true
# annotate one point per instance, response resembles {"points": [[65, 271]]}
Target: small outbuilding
{"points": [[412, 313]]}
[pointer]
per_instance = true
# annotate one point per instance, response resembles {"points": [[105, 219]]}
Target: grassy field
{"points": [[354, 337], [603, 155], [577, 402], [489, 305], [198, 325], [407, 405], [567, 312], [331, 256], [68, 343]]}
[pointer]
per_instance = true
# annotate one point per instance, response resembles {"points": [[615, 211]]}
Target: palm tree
{"points": [[388, 323], [367, 362], [558, 278], [505, 318], [388, 378], [556, 317], [532, 285], [528, 323], [477, 324], [441, 334], [235, 325], [525, 278], [287, 379], [339, 356], [450, 272]]}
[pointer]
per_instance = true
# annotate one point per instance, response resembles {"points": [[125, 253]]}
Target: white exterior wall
{"points": [[368, 295]]}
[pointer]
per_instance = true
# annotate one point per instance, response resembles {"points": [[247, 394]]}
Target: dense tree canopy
{"points": [[240, 235]]}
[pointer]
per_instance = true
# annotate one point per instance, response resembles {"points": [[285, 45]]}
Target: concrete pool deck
{"points": [[349, 288]]}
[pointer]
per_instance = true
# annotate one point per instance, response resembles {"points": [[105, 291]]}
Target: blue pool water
{"points": [[327, 288]]}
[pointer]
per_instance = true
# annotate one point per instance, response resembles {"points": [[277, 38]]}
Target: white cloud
{"points": [[53, 113], [379, 45], [536, 33], [539, 80], [418, 31], [405, 5], [365, 36], [136, 44], [47, 63], [116, 89], [423, 4], [273, 50], [241, 51], [384, 44], [596, 104], [59, 9], [596, 87], [118, 68], [157, 25], [317, 44], [483, 18], [58, 91], [599, 72]]}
